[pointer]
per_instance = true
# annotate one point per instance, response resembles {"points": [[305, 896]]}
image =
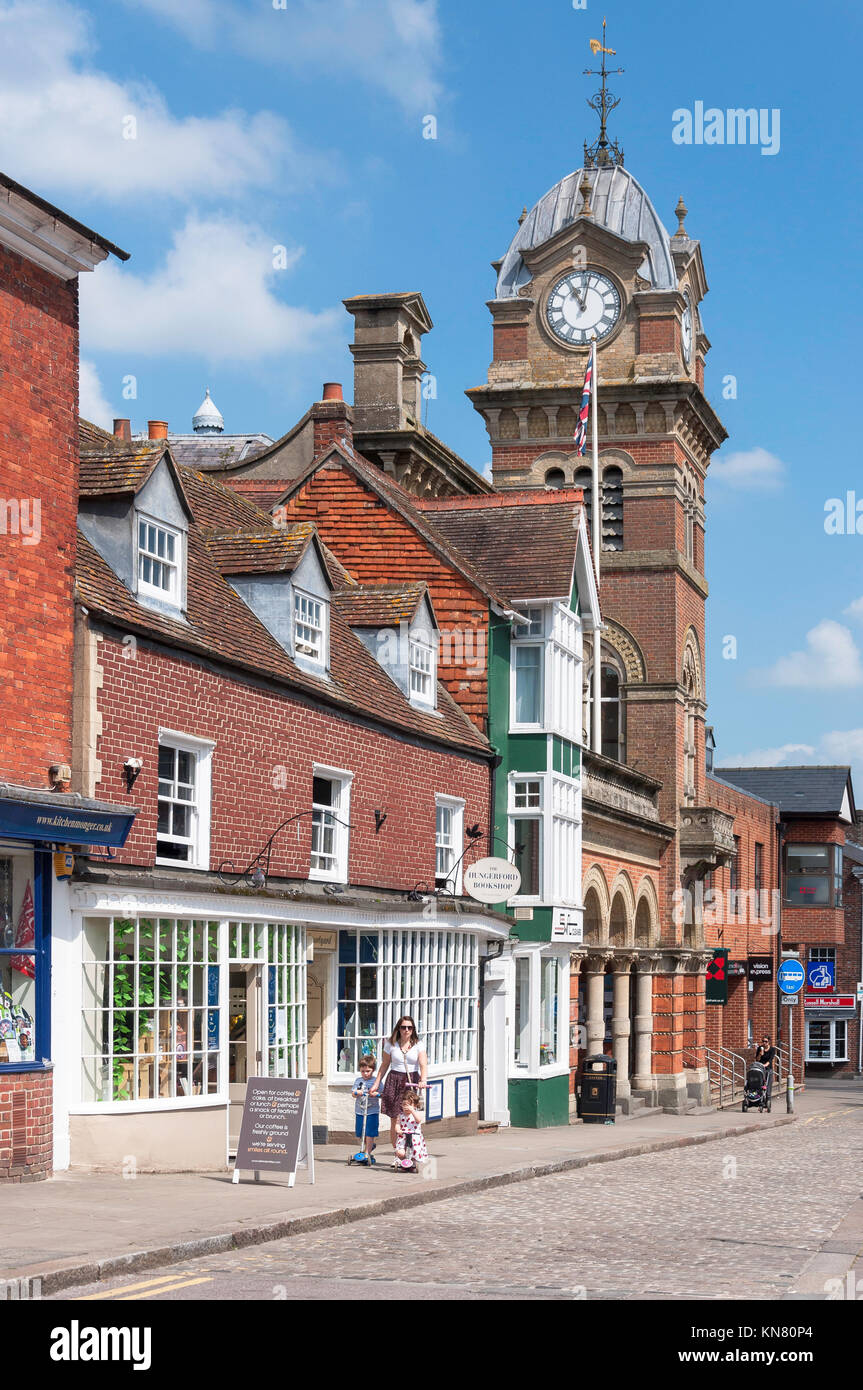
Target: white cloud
{"points": [[749, 470], [855, 609], [770, 757], [92, 404], [394, 45], [844, 746], [65, 124], [214, 296], [830, 661]]}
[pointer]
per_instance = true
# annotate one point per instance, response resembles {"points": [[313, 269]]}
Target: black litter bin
{"points": [[598, 1090]]}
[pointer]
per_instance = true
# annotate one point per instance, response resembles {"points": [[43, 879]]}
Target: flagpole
{"points": [[596, 542]]}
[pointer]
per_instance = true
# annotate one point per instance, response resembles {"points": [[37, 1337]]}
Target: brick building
{"points": [[816, 816], [304, 779], [42, 252]]}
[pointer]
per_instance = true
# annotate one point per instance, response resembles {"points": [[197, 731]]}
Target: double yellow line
{"points": [[148, 1288]]}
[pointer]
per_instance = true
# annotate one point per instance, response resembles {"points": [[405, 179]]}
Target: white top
{"points": [[399, 1058]]}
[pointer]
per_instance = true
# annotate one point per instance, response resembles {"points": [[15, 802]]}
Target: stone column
{"points": [[620, 1022], [643, 1079], [575, 962], [595, 971]]}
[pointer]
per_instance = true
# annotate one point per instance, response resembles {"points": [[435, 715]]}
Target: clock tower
{"points": [[592, 259]]}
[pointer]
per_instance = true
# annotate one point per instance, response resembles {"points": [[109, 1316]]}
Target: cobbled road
{"points": [[731, 1219]]}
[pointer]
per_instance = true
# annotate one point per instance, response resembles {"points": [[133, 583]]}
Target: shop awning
{"points": [[61, 818]]}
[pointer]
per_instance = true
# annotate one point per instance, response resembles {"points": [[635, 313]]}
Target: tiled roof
{"points": [[407, 507], [92, 436], [523, 543], [205, 451], [801, 791], [111, 470], [219, 625], [381, 605], [265, 551], [218, 508]]}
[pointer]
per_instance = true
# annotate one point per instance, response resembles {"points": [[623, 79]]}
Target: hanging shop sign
{"points": [[492, 880], [716, 986], [760, 968], [276, 1133], [736, 968], [821, 974], [63, 822], [567, 924]]}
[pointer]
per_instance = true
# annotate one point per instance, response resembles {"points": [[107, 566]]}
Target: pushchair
{"points": [[758, 1087]]}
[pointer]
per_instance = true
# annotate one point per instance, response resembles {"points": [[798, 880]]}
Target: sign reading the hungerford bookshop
{"points": [[276, 1133], [492, 880]]}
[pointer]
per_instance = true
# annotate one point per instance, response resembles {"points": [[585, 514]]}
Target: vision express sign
{"points": [[273, 1121]]}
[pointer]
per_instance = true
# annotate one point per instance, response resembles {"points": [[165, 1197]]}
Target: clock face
{"points": [[686, 331], [583, 305]]}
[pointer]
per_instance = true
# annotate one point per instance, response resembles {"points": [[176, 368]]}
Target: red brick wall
{"points": [[39, 462], [25, 1126], [377, 546], [812, 925], [263, 737], [657, 335], [510, 342]]}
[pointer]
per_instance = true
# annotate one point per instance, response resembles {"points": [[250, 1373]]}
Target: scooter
{"points": [[361, 1157]]}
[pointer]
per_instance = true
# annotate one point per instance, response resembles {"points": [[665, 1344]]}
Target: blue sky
{"points": [[302, 127]]}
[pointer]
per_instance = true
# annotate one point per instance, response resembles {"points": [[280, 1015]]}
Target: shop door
{"points": [[315, 1024], [245, 1050]]}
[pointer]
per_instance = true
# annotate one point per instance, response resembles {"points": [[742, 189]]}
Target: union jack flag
{"points": [[580, 435]]}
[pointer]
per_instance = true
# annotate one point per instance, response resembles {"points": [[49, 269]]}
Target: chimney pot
{"points": [[122, 429], [157, 429], [332, 391]]}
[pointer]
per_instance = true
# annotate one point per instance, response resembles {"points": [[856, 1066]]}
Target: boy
{"points": [[363, 1084]]}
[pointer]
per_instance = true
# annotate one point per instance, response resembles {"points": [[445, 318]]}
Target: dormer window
{"points": [[310, 628], [422, 670], [160, 562]]}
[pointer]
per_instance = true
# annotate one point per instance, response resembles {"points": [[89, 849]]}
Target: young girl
{"points": [[409, 1136]]}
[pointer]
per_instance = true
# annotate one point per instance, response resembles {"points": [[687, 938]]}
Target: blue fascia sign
{"points": [[65, 823], [791, 977]]}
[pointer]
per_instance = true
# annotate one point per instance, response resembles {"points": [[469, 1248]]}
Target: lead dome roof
{"points": [[618, 202]]}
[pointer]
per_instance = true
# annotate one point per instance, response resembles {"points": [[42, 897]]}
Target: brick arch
{"points": [[551, 458], [621, 920], [646, 914], [595, 888], [691, 668], [621, 641], [617, 458]]}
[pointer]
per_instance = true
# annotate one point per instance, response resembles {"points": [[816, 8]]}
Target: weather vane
{"points": [[604, 151]]}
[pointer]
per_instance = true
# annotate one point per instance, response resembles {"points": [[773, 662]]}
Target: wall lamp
{"points": [[132, 771]]}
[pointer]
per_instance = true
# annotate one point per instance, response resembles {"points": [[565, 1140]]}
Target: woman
{"points": [[407, 1063], [766, 1053]]}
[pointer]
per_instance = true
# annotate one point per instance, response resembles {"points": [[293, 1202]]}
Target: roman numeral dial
{"points": [[582, 305]]}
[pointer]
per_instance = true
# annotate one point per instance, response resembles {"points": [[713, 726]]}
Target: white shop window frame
{"points": [[427, 1011], [342, 815], [202, 751], [456, 805], [555, 630], [834, 1057], [537, 955]]}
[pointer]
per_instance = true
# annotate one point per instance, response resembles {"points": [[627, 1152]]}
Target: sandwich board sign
{"points": [[276, 1133]]}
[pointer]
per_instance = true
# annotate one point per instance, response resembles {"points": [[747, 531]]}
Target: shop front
{"points": [[174, 999], [34, 872]]}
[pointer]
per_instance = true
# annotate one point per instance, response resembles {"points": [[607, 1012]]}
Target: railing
{"points": [[726, 1071]]}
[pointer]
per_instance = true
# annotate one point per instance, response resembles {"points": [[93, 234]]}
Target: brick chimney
{"points": [[157, 429], [333, 420], [123, 429]]}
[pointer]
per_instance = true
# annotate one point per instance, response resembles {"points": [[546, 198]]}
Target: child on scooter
{"points": [[410, 1144], [360, 1089]]}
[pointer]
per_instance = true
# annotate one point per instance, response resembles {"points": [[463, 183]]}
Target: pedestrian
{"points": [[766, 1054], [361, 1091], [409, 1138], [405, 1065]]}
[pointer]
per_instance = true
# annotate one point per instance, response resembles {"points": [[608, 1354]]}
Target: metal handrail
{"points": [[726, 1071]]}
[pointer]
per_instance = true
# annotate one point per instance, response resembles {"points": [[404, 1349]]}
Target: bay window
{"points": [[813, 875], [526, 833]]}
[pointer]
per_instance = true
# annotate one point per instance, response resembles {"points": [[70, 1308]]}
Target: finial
{"points": [[523, 215], [584, 190], [604, 151], [680, 213]]}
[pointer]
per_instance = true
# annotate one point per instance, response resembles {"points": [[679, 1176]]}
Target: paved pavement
{"points": [[769, 1215], [81, 1226]]}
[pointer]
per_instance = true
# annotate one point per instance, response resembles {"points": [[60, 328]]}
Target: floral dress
{"points": [[410, 1127]]}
